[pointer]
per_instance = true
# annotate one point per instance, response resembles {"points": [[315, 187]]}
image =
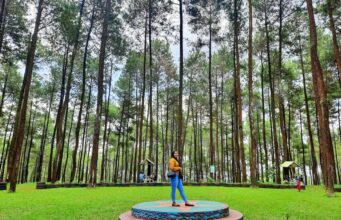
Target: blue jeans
{"points": [[177, 183]]}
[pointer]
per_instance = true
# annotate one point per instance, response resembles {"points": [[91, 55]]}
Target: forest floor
{"points": [[109, 203]]}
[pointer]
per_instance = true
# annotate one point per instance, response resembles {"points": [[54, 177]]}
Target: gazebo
{"points": [[150, 175], [287, 167]]}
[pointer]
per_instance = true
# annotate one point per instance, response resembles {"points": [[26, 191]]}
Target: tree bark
{"points": [[302, 149], [68, 147], [326, 146], [266, 157], [337, 54], [97, 127], [61, 114], [143, 96], [105, 151], [251, 121], [273, 103], [181, 73], [20, 119], [78, 126], [315, 177]]}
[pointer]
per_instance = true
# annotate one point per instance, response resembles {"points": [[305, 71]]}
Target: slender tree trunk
{"points": [[217, 158], [336, 48], [315, 177], [68, 147], [105, 151], [266, 157], [210, 94], [273, 104], [143, 96], [181, 73], [97, 127], [151, 130], [137, 129], [222, 129], [326, 146], [61, 113], [302, 149], [286, 152], [253, 139], [30, 148], [43, 143], [20, 119], [23, 153], [58, 123], [157, 131], [85, 130], [117, 158], [79, 120]]}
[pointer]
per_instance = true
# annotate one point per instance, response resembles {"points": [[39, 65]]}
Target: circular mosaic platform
{"points": [[159, 210]]}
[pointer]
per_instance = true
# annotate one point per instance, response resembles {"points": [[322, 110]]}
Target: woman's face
{"points": [[176, 154]]}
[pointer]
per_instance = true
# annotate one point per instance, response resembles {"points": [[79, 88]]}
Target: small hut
{"points": [[288, 169], [150, 174]]}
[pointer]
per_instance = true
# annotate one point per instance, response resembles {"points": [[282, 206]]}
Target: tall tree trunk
{"points": [[61, 114], [20, 119], [120, 133], [23, 153], [222, 160], [273, 103], [239, 108], [302, 148], [28, 156], [315, 176], [105, 151], [97, 127], [236, 144], [217, 155], [266, 157], [253, 139], [151, 138], [157, 131], [137, 128], [286, 152], [79, 120], [336, 48], [143, 96], [181, 76], [68, 147], [210, 94], [326, 146], [84, 135], [58, 122]]}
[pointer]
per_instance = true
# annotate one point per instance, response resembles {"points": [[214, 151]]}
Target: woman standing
{"points": [[176, 180]]}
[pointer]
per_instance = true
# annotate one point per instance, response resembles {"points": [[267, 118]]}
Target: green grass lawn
{"points": [[109, 203]]}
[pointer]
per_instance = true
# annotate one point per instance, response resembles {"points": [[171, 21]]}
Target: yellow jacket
{"points": [[174, 165]]}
